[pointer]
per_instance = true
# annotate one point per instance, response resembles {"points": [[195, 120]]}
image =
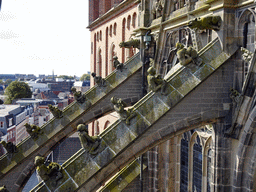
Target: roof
{"points": [[7, 109]]}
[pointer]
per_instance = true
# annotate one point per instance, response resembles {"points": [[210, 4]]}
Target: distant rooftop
{"points": [[6, 109]]}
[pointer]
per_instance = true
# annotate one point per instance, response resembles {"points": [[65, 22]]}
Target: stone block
{"points": [[104, 157], [203, 72]]}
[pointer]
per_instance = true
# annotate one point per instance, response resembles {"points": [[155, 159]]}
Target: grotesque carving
{"points": [[3, 189], [117, 64], [157, 9], [78, 95], [210, 22], [33, 130], [246, 54], [91, 144], [101, 82], [52, 171], [235, 95], [155, 82], [187, 55], [135, 43], [125, 115], [55, 111], [10, 147]]}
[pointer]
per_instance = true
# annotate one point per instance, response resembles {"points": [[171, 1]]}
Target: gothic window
{"points": [[197, 165], [100, 35], [106, 124], [99, 63], [134, 17], [112, 54], [106, 54], [184, 164], [123, 39], [128, 22], [110, 31], [114, 31]]}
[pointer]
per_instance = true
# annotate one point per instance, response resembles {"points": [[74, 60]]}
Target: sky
{"points": [[39, 36]]}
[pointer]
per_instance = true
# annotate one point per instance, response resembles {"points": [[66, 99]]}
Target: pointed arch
{"points": [[112, 53], [106, 53], [134, 18], [123, 39]]}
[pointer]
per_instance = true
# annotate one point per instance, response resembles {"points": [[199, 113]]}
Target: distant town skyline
{"points": [[37, 37]]}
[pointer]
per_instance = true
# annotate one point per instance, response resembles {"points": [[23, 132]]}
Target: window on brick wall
{"points": [[134, 17], [129, 22], [114, 31]]}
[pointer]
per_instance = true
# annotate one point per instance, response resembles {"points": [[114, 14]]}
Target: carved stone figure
{"points": [[101, 82], [135, 43], [91, 144], [246, 54], [125, 115], [55, 111], [52, 171], [157, 9], [155, 82], [3, 189], [210, 22], [78, 95], [187, 55], [10, 147], [33, 130], [235, 95], [117, 64]]}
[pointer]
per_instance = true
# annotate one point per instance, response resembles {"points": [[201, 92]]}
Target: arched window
{"points": [[111, 55], [99, 63], [134, 17], [110, 31], [106, 124], [106, 54], [100, 35], [123, 39], [184, 163], [94, 51], [115, 26], [197, 165], [129, 22]]}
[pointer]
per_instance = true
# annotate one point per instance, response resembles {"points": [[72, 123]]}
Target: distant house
{"points": [[82, 86]]}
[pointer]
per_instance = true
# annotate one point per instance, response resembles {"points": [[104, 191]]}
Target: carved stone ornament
{"points": [[51, 172], [117, 64], [187, 55], [155, 82], [157, 8], [124, 115], [91, 144], [78, 95], [33, 130], [246, 54], [135, 43], [101, 82], [10, 147], [55, 111], [235, 95], [3, 189], [210, 22]]}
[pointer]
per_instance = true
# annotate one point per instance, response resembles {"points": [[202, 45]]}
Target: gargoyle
{"points": [[52, 172], [91, 144], [117, 64], [125, 115], [135, 43], [78, 95], [155, 82], [187, 55], [10, 147], [210, 22], [101, 82], [33, 130], [3, 189], [55, 111]]}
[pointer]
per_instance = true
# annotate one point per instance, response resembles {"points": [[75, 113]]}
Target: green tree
{"points": [[17, 90], [8, 81], [85, 77], [1, 82]]}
